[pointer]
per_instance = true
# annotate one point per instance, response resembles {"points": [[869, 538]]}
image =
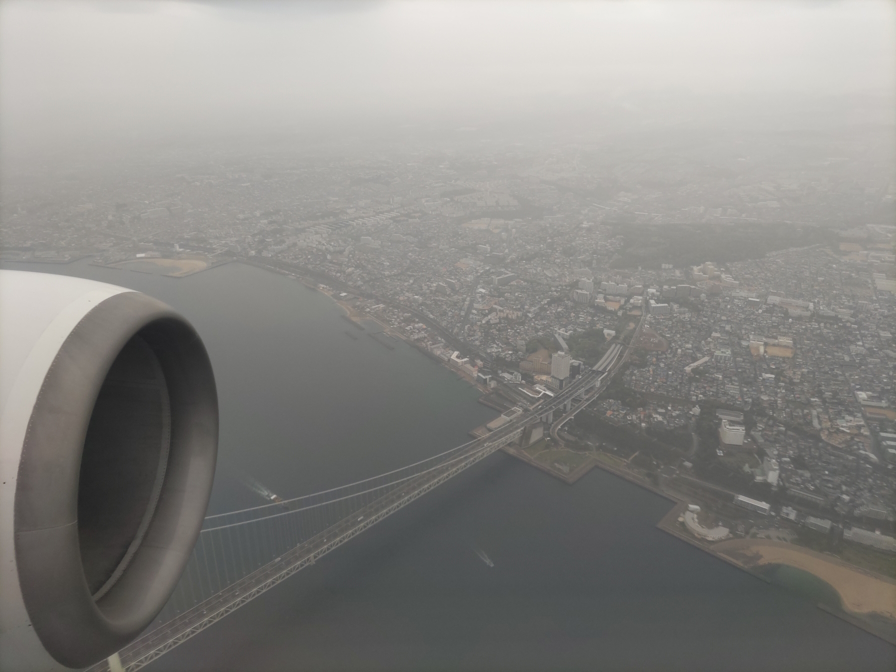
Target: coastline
{"points": [[871, 596], [170, 267], [669, 523], [861, 591], [857, 587], [356, 316]]}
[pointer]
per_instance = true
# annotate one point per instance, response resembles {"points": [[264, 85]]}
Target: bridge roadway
{"points": [[155, 643]]}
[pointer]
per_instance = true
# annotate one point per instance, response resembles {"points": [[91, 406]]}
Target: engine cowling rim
{"points": [[74, 628]]}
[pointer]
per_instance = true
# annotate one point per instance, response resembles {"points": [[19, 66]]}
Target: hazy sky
{"points": [[75, 71]]}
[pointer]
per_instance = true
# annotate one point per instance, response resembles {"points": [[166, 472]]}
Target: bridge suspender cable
{"points": [[342, 487], [338, 499]]}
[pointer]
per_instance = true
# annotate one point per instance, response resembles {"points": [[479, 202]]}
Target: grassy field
{"points": [[855, 554], [611, 460], [736, 460], [536, 447], [543, 452]]}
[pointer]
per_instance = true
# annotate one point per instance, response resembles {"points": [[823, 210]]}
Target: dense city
{"points": [[408, 335], [761, 374]]}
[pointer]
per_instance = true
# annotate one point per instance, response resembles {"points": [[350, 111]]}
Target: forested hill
{"points": [[649, 245]]}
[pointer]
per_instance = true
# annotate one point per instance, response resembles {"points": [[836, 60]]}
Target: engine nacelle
{"points": [[108, 441]]}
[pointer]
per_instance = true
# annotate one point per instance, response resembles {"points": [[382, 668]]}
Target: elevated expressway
{"points": [[614, 359]]}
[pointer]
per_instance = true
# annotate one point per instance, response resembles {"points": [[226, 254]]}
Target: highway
{"points": [[611, 363]]}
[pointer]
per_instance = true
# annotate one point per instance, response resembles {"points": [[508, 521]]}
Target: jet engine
{"points": [[108, 441]]}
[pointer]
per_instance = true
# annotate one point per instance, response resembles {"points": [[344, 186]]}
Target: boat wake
{"points": [[484, 557], [259, 489]]}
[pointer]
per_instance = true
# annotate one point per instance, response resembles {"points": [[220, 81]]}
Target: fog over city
{"points": [[618, 277], [91, 73]]}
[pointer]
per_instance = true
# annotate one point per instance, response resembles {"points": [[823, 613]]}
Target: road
{"points": [[612, 363]]}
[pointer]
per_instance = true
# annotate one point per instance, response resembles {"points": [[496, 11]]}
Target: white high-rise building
{"points": [[560, 365], [658, 308], [771, 471]]}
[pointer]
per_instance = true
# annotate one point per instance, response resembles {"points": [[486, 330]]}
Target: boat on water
{"points": [[259, 489], [484, 557]]}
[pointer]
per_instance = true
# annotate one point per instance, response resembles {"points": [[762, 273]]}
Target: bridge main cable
{"points": [[331, 501], [284, 502]]}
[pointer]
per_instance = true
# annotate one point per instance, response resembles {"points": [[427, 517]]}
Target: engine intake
{"points": [[115, 462]]}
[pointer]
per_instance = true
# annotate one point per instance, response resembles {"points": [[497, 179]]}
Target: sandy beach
{"points": [[357, 316], [862, 592]]}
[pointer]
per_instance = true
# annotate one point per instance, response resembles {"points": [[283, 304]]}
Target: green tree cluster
{"points": [[539, 342], [587, 346]]}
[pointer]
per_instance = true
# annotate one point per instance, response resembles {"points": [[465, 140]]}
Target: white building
{"points": [[658, 308], [502, 280], [822, 525], [875, 539], [560, 365], [693, 365], [732, 434], [715, 534], [581, 296], [752, 504], [771, 471], [728, 281]]}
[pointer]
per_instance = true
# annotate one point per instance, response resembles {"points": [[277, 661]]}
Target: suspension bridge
{"points": [[242, 554]]}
